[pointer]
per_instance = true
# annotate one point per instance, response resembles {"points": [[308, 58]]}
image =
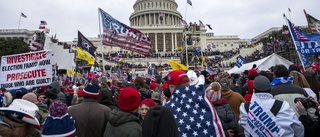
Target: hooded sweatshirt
{"points": [[123, 124]]}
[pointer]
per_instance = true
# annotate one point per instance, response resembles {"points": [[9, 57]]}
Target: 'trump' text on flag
{"points": [[120, 35]]}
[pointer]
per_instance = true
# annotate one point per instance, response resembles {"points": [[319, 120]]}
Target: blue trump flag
{"points": [[194, 113], [304, 43], [240, 61]]}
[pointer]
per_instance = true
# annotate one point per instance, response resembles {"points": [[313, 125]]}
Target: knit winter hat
{"points": [[58, 123], [149, 102], [129, 99], [214, 91], [91, 91], [58, 109], [95, 81], [262, 84]]}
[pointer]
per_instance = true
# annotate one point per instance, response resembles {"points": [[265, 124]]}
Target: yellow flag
{"points": [[177, 66], [204, 61], [254, 45], [70, 72], [85, 56], [178, 48]]}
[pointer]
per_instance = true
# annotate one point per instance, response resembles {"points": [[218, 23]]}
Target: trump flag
{"points": [[120, 35]]}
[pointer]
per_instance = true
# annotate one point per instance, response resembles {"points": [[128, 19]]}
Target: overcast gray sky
{"points": [[245, 18]]}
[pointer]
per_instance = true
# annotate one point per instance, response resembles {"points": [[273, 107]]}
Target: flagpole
{"points": [[289, 14], [19, 21], [294, 42], [100, 38], [185, 13]]}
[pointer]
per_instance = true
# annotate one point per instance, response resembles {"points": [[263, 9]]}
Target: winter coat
{"points": [[105, 98], [90, 117], [123, 124], [226, 116], [234, 99], [286, 117], [288, 92]]}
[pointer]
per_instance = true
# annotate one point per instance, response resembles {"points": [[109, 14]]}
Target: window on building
{"points": [[231, 45], [225, 45]]}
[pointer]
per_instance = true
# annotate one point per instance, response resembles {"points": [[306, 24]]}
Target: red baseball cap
{"points": [[176, 77]]}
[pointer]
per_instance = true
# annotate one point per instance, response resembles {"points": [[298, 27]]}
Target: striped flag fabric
{"points": [[201, 24], [42, 22], [117, 34], [184, 22], [35, 43]]}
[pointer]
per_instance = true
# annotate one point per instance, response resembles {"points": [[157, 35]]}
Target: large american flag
{"points": [[194, 114], [296, 33], [120, 35]]}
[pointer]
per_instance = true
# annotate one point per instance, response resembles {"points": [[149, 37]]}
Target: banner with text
{"points": [[261, 122], [27, 69]]}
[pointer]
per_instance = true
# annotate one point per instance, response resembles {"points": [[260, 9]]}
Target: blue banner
{"points": [[240, 61], [305, 43]]}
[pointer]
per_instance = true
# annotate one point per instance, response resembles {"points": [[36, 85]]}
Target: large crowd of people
{"points": [[282, 101]]}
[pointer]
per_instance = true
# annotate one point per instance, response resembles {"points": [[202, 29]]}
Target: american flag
{"points": [[201, 24], [211, 71], [35, 44], [194, 113], [120, 35], [296, 33], [184, 22], [42, 22]]}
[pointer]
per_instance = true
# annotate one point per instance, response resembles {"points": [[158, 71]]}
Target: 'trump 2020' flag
{"points": [[120, 35], [194, 113], [85, 44], [305, 43]]}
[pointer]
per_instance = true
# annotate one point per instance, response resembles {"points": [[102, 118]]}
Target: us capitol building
{"points": [[160, 20]]}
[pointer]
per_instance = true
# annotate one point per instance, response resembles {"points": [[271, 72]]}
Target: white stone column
{"points": [[145, 20], [164, 19], [164, 42], [154, 18], [175, 40], [172, 42], [150, 20], [156, 41]]}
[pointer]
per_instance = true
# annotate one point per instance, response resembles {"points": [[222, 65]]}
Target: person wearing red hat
{"points": [[177, 79], [123, 122], [145, 105]]}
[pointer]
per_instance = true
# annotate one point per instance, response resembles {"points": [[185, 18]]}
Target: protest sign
{"points": [[27, 69]]}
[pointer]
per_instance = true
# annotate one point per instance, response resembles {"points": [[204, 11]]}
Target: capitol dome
{"points": [[155, 12]]}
